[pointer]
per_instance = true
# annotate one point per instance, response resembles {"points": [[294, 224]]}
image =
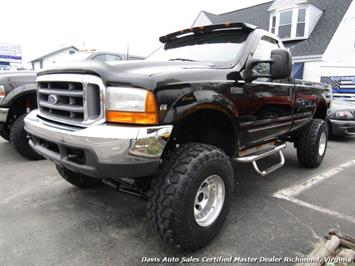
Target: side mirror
{"points": [[280, 66]]}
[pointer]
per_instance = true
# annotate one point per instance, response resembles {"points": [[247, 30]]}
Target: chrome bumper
{"points": [[109, 150], [3, 114]]}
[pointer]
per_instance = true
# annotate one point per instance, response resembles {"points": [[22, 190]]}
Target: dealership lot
{"points": [[46, 221]]}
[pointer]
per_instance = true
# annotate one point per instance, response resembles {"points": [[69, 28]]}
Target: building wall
{"points": [[281, 4], [61, 57], [341, 49], [337, 70], [314, 16], [312, 71], [36, 66], [339, 57]]}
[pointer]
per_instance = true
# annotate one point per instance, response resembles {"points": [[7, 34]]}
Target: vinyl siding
{"points": [[314, 16], [337, 70], [312, 71], [61, 57], [282, 4], [341, 49]]}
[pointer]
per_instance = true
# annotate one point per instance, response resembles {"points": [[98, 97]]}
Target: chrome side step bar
{"points": [[254, 158]]}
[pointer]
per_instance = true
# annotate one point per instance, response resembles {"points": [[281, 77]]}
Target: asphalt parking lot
{"points": [[46, 221]]}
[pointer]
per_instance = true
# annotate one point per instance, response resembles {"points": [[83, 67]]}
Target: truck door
{"points": [[264, 105]]}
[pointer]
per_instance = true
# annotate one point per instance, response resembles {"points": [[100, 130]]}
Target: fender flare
{"points": [[18, 92]]}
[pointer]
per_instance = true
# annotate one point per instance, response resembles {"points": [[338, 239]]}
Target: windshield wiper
{"points": [[182, 59]]}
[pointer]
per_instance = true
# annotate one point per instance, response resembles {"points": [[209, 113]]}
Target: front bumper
{"points": [[3, 114], [102, 151], [342, 127]]}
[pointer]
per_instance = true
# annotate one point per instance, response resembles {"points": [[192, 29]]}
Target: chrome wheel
{"points": [[209, 200], [322, 144]]}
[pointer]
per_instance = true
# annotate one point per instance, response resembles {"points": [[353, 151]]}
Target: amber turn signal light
{"points": [[149, 116]]}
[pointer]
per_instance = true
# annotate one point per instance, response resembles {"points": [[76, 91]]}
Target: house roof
{"points": [[54, 52], [215, 19], [317, 42], [256, 15]]}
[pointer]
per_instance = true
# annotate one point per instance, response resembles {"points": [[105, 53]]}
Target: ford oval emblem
{"points": [[52, 99]]}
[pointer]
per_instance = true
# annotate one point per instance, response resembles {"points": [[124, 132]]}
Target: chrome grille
{"points": [[71, 99], [62, 99]]}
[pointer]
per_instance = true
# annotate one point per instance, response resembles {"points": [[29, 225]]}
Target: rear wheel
{"points": [[190, 199], [312, 144], [19, 139], [78, 180]]}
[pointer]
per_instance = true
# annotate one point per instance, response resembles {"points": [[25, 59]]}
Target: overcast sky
{"points": [[42, 26]]}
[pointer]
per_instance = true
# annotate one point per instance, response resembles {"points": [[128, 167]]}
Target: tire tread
{"points": [[19, 141], [307, 148], [165, 190]]}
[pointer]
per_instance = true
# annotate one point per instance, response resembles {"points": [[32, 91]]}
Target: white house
{"points": [[62, 55], [319, 33]]}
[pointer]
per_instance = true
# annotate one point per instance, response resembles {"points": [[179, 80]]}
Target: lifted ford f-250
{"points": [[168, 128]]}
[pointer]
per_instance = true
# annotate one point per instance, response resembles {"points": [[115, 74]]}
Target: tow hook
{"points": [[125, 187]]}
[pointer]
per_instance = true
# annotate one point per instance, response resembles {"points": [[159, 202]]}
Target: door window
{"points": [[263, 52]]}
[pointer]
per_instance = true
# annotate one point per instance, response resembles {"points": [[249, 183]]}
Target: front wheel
{"points": [[19, 139], [190, 199], [312, 144]]}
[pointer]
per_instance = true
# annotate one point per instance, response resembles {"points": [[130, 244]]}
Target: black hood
{"points": [[145, 74]]}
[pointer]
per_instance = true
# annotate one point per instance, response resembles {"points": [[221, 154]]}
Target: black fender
{"points": [[18, 92], [324, 102], [194, 101]]}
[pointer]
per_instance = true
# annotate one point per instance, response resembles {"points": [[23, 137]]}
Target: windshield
{"points": [[218, 47]]}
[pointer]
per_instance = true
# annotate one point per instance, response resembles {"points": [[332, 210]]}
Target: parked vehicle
{"points": [[342, 118], [18, 97], [168, 128], [106, 56], [109, 57]]}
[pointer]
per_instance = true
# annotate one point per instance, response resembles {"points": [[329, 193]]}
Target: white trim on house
{"points": [[342, 66], [307, 58], [284, 4], [312, 15]]}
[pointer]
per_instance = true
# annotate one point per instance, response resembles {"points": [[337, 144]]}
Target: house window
{"points": [[273, 24], [285, 24], [289, 24], [301, 23]]}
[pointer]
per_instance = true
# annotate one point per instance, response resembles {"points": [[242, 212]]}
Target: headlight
{"points": [[2, 93], [344, 115], [130, 105]]}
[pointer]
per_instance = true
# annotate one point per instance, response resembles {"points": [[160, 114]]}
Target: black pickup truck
{"points": [[17, 98], [167, 129]]}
